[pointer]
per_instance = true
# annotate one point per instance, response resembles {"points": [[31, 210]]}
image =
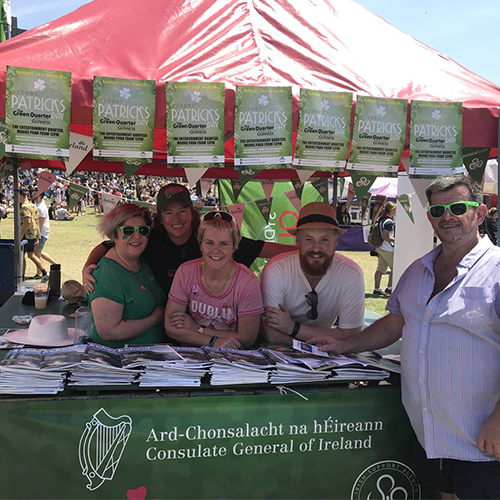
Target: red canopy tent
{"points": [[319, 44]]}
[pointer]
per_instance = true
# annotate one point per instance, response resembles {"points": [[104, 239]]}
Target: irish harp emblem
{"points": [[101, 446]]}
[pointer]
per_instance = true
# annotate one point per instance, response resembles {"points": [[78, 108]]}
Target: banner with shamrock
{"points": [[195, 124], [324, 130], [37, 113], [362, 182], [132, 166], [263, 126], [264, 207], [236, 185], [322, 187], [247, 174], [123, 119], [109, 201], [378, 136], [405, 202], [475, 160], [76, 193], [299, 187], [435, 139]]}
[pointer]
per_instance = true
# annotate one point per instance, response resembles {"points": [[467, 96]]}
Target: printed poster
{"points": [[435, 138], [195, 124], [37, 113], [378, 136], [124, 115], [324, 130], [263, 126]]}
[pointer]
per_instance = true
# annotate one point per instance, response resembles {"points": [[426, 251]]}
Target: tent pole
{"points": [[335, 188], [18, 254]]}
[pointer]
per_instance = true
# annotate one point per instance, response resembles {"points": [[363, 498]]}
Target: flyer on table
{"points": [[324, 130], [378, 135], [263, 126], [195, 124], [124, 114], [37, 113], [435, 138]]}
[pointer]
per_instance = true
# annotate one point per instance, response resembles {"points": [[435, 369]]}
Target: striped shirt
{"points": [[450, 354]]}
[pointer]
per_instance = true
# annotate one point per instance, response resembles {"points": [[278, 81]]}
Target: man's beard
{"points": [[316, 268]]}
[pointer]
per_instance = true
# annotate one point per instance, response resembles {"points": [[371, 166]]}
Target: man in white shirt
{"points": [[308, 292], [44, 225]]}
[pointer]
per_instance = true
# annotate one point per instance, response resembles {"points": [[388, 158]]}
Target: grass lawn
{"points": [[71, 241]]}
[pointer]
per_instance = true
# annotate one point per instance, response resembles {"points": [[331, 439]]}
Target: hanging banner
{"points": [[475, 160], [350, 194], [405, 202], [79, 146], [237, 211], [142, 204], [267, 186], [321, 186], [435, 138], [206, 185], [193, 175], [294, 199], [324, 130], [45, 180], [195, 124], [362, 182], [76, 193], [37, 113], [378, 136], [263, 126], [299, 187], [109, 201], [264, 207], [304, 175], [247, 174], [132, 166], [124, 115], [237, 187]]}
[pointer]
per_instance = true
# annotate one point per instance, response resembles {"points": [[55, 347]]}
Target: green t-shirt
{"points": [[139, 293]]}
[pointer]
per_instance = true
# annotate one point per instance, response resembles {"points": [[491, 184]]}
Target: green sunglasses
{"points": [[128, 231], [457, 209]]}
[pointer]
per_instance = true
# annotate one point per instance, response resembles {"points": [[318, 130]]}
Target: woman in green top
{"points": [[127, 302]]}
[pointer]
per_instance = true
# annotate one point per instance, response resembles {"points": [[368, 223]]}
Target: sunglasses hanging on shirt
{"points": [[312, 302]]}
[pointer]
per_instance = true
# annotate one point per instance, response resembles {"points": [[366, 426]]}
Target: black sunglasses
{"points": [[128, 231], [312, 302], [456, 209], [217, 213]]}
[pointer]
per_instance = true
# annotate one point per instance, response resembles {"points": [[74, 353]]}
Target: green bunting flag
{"points": [[362, 182], [475, 160], [264, 207], [76, 193], [405, 201], [132, 166], [236, 185], [299, 187], [247, 174], [321, 186]]}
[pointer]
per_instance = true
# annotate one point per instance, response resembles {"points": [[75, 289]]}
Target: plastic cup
{"points": [[41, 296]]}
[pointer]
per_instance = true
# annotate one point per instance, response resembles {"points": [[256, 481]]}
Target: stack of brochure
{"points": [[186, 370], [38, 371], [232, 366], [101, 365]]}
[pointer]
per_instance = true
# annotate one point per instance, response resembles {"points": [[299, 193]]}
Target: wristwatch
{"points": [[201, 329]]}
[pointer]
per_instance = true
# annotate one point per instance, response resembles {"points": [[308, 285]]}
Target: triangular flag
{"points": [[205, 185], [298, 185], [267, 186], [264, 207], [193, 175], [475, 160], [294, 199], [76, 193], [79, 146], [237, 211], [321, 186], [304, 175], [350, 194], [109, 201], [362, 182], [45, 180], [246, 174], [131, 166], [405, 201], [236, 185]]}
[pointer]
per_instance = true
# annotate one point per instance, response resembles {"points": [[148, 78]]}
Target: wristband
{"points": [[295, 330], [212, 341]]}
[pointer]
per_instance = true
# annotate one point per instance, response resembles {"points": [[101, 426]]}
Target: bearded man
{"points": [[313, 291]]}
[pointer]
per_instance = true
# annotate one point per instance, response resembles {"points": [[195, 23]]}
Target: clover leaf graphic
{"points": [[263, 100], [436, 114], [381, 111], [325, 105], [196, 96], [39, 85], [125, 93]]}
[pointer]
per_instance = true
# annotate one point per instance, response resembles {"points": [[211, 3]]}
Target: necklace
{"points": [[204, 278]]}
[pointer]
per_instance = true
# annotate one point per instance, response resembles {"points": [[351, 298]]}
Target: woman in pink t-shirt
{"points": [[214, 300]]}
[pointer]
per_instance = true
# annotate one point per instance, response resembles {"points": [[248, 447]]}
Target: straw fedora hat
{"points": [[317, 215], [46, 330]]}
